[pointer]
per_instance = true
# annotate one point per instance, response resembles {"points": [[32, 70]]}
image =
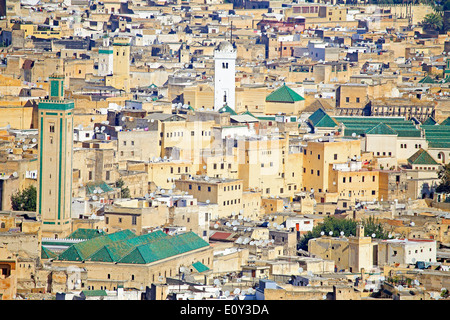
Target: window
{"points": [[347, 99], [52, 127], [133, 220], [335, 156]]}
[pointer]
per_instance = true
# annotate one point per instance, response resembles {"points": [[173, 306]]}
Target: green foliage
{"points": [[124, 191], [24, 200], [444, 175], [433, 21], [371, 226]]}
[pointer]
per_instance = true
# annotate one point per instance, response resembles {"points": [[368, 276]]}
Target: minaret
{"points": [[224, 75], [120, 78], [360, 251], [55, 161]]}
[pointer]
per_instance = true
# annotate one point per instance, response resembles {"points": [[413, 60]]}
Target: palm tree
{"points": [[433, 21]]}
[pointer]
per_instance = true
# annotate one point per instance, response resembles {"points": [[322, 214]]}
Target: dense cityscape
{"points": [[224, 150]]}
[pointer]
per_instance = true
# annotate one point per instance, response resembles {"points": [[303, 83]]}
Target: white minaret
{"points": [[224, 75]]}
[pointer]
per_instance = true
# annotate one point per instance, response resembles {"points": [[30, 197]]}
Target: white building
{"points": [[406, 251], [224, 75]]}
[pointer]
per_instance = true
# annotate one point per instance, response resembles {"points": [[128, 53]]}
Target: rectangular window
{"points": [[133, 220], [52, 127]]}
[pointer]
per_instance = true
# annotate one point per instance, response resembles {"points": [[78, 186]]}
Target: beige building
{"points": [[354, 253], [226, 193], [123, 259], [137, 219]]}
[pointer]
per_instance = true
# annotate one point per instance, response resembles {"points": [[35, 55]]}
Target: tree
{"points": [[124, 191], [371, 226], [24, 200], [433, 21], [444, 175]]}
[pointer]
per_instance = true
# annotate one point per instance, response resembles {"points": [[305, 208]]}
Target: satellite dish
{"points": [[330, 233], [342, 233], [226, 293], [300, 270], [182, 269], [237, 291], [217, 282], [161, 278], [322, 233], [216, 226], [234, 229]]}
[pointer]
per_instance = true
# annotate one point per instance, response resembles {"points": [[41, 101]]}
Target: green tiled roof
{"points": [[94, 293], [379, 125], [226, 108], [266, 118], [164, 248], [82, 250], [421, 157], [200, 267], [320, 119], [446, 122], [427, 79], [47, 254], [429, 122], [115, 251], [125, 247], [85, 234], [90, 187], [284, 94], [382, 129]]}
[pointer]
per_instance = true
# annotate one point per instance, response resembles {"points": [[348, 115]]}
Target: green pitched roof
{"points": [[47, 254], [226, 108], [381, 129], [427, 79], [85, 234], [82, 250], [284, 94], [102, 186], [429, 122], [164, 248], [115, 251], [200, 267], [422, 157], [320, 119], [446, 122]]}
